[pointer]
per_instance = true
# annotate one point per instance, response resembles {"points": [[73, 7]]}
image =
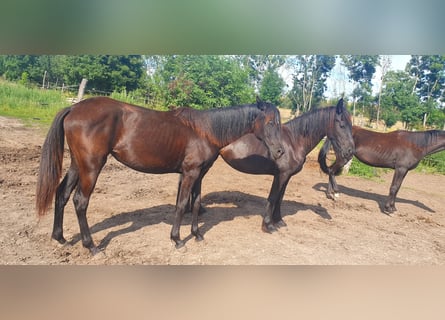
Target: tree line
{"points": [[415, 96]]}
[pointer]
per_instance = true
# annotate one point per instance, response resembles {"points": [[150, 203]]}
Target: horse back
{"points": [[143, 139], [386, 150]]}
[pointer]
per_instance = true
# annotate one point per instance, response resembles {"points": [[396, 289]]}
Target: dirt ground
{"points": [[131, 215]]}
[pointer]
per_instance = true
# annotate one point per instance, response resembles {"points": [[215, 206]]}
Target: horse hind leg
{"points": [[81, 198], [399, 175], [63, 194]]}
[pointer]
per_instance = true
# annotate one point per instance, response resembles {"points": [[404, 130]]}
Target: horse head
{"points": [[267, 127], [340, 133]]}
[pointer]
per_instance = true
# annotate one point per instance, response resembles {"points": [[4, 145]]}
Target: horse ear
{"points": [[260, 104], [340, 106]]}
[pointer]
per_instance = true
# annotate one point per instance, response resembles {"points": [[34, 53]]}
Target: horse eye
{"points": [[341, 123]]}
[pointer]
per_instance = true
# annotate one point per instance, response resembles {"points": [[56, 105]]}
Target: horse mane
{"points": [[312, 122], [423, 138], [221, 124]]}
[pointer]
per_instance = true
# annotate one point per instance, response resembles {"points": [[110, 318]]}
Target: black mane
{"points": [[223, 124], [313, 121]]}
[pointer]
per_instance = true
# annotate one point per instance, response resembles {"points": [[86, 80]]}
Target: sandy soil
{"points": [[131, 214]]}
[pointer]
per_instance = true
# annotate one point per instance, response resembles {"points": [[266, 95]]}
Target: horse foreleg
{"points": [[332, 190], [183, 200], [190, 204], [195, 205], [274, 195], [277, 218], [332, 186], [63, 193], [399, 175]]}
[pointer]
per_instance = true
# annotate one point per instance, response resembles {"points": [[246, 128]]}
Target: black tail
{"points": [[322, 156], [51, 163], [322, 160]]}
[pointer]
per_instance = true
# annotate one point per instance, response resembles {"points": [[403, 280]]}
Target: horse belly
{"points": [[249, 155], [150, 157], [148, 163]]}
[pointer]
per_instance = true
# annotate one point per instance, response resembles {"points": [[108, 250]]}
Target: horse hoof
{"points": [[330, 196], [94, 250], [199, 237], [280, 224], [59, 239], [269, 228], [179, 244], [336, 195]]}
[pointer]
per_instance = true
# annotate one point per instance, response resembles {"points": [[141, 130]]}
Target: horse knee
{"points": [[80, 201]]}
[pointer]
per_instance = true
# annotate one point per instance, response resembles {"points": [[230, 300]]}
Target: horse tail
{"points": [[322, 156], [51, 160]]}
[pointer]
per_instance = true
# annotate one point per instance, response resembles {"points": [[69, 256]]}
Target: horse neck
{"points": [[311, 127], [436, 141], [223, 126]]}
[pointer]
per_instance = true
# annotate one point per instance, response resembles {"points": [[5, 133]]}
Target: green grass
{"points": [[434, 163], [360, 169], [30, 104], [38, 106]]}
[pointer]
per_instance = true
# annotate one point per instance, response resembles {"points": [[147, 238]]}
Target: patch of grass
{"points": [[36, 105], [30, 104], [434, 163], [361, 169]]}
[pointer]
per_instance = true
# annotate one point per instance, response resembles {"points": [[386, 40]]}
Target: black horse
{"points": [[299, 136], [399, 150], [184, 141]]}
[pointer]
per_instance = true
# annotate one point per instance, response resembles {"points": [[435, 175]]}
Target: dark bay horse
{"points": [[184, 141], [399, 150], [299, 136]]}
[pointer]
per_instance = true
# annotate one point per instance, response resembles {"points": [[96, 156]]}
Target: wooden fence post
{"points": [[81, 91]]}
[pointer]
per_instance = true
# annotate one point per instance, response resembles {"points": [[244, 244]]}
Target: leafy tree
{"points": [[361, 70], [105, 73], [429, 72], [259, 65], [364, 99], [272, 87], [429, 85], [398, 102], [14, 66], [310, 73], [202, 81]]}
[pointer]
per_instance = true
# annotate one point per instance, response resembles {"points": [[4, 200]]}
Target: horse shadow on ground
{"points": [[379, 198], [219, 207]]}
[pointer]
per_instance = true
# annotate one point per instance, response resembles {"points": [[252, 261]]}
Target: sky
{"points": [[338, 82]]}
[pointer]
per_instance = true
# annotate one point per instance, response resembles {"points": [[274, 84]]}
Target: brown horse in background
{"points": [[399, 150], [299, 136], [184, 141]]}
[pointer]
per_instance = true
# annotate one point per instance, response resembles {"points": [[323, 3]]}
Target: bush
{"points": [[434, 163]]}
